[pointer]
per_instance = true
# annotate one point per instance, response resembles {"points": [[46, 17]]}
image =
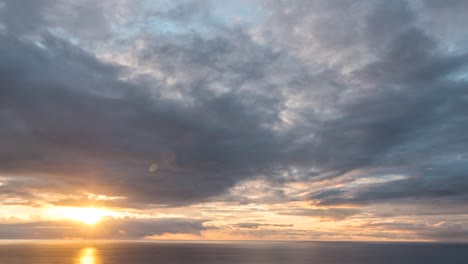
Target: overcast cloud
{"points": [[361, 104]]}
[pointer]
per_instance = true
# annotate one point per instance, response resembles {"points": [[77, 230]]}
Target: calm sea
{"points": [[231, 252]]}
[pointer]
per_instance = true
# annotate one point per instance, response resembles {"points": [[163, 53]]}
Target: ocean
{"points": [[49, 252]]}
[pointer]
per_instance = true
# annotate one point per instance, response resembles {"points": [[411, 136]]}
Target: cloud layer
{"points": [[349, 109]]}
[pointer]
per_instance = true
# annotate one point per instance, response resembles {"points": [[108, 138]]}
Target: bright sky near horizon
{"points": [[262, 119]]}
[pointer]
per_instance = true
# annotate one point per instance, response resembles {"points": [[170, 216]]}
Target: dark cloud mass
{"points": [[257, 225], [108, 229], [91, 97]]}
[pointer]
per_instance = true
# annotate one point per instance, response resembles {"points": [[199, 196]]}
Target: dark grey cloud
{"points": [[126, 228], [446, 182], [257, 225], [23, 17], [67, 113], [85, 22], [224, 103]]}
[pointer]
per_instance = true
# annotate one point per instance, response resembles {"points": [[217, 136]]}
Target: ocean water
{"points": [[231, 252]]}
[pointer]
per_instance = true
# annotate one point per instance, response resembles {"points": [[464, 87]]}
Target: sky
{"points": [[242, 120]]}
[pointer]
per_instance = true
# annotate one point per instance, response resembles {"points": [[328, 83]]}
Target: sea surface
{"points": [[230, 252]]}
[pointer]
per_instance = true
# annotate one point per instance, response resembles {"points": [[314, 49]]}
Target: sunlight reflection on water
{"points": [[51, 252], [88, 256]]}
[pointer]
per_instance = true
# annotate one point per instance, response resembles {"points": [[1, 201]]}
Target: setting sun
{"points": [[87, 215]]}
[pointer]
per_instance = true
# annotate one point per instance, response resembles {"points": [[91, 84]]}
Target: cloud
{"points": [[443, 182], [82, 120], [257, 225], [309, 94], [335, 214], [13, 14], [126, 228], [439, 231]]}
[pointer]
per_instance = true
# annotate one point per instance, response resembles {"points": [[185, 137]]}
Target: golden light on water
{"points": [[88, 256]]}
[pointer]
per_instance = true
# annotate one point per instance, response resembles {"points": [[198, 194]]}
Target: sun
{"points": [[86, 215]]}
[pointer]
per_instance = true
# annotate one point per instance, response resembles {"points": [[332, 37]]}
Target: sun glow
{"points": [[87, 215]]}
